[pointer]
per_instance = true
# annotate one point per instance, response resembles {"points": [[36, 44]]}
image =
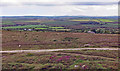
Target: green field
{"points": [[28, 21], [61, 29], [8, 22], [41, 28], [109, 25], [56, 27], [25, 26], [96, 20], [107, 20], [85, 20], [60, 22]]}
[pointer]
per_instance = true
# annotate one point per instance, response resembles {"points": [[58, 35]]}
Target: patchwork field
{"points": [[102, 25]]}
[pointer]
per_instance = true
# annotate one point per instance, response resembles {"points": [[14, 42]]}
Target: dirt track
{"points": [[48, 50]]}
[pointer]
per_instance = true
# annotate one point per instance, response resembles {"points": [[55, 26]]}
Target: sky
{"points": [[59, 7]]}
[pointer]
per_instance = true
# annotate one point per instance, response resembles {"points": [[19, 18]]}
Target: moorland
{"points": [[60, 32]]}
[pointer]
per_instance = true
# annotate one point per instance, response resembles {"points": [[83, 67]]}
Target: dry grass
{"points": [[48, 40]]}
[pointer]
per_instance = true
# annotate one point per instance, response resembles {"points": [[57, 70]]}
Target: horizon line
{"points": [[48, 15]]}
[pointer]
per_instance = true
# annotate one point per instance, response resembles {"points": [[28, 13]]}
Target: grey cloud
{"points": [[72, 3], [94, 3], [40, 4], [6, 4], [59, 4]]}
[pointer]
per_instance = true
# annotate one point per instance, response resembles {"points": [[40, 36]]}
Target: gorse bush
{"points": [[29, 54]]}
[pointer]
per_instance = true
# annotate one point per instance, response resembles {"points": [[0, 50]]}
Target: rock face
{"points": [[19, 45], [87, 45], [76, 66], [91, 32]]}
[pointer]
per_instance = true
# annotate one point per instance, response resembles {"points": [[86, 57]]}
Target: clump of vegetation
{"points": [[56, 60], [54, 40], [30, 54], [69, 38]]}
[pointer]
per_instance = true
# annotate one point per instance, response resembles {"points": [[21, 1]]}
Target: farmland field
{"points": [[74, 24], [64, 32]]}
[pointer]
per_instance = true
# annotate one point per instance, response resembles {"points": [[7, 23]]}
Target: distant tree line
{"points": [[101, 31], [97, 31]]}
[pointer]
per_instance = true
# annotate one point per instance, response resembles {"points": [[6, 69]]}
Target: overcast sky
{"points": [[59, 7]]}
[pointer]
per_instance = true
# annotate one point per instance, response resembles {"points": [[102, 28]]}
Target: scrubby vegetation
{"points": [[62, 60], [56, 40]]}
